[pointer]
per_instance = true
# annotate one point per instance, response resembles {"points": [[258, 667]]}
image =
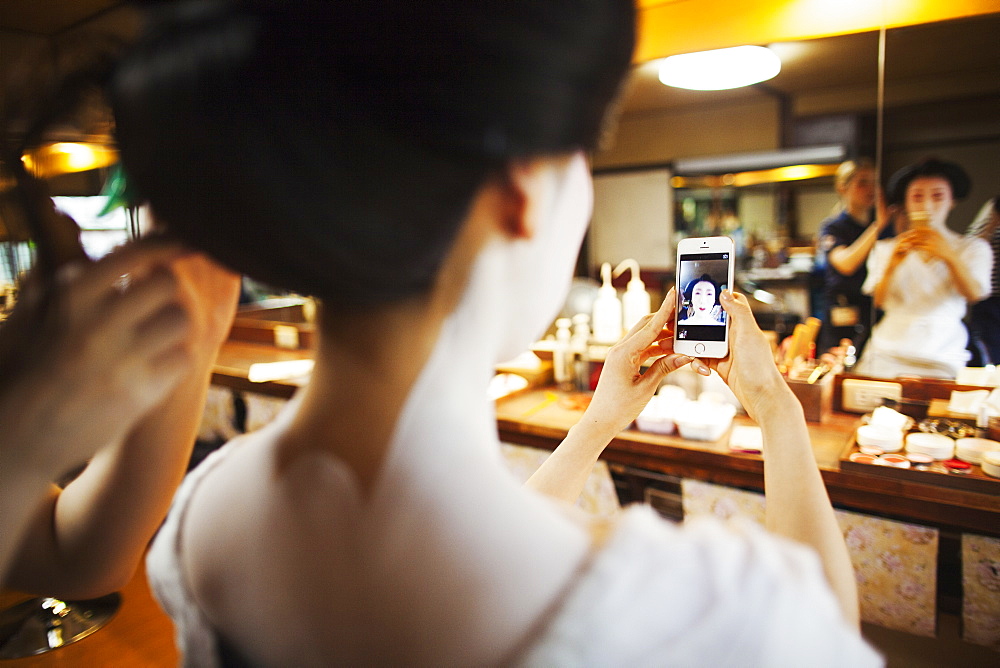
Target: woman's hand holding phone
{"points": [[622, 392], [624, 388], [749, 368]]}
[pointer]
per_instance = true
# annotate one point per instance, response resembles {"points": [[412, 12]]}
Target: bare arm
{"points": [[87, 539], [621, 394], [848, 259], [80, 362], [798, 506]]}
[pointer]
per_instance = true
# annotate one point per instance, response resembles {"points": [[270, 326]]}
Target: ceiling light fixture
{"points": [[720, 69], [67, 157]]}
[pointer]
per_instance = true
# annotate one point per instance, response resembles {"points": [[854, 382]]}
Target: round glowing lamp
{"points": [[720, 69]]}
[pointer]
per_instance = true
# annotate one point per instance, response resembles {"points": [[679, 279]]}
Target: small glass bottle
{"points": [[580, 345], [562, 356]]}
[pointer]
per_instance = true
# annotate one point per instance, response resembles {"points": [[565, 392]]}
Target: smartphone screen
{"points": [[704, 270]]}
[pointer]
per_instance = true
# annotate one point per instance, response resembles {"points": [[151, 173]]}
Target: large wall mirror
{"points": [[676, 167], [942, 92]]}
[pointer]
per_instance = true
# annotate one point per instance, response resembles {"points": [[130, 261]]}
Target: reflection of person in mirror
{"points": [[701, 298], [844, 242], [925, 278]]}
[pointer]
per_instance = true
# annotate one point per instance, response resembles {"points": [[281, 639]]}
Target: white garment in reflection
{"points": [[922, 332]]}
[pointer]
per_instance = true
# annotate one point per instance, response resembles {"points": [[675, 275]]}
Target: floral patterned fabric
{"points": [[218, 420], [261, 409], [895, 563], [981, 590]]}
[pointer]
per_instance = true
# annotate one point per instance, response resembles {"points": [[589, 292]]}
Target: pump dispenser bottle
{"points": [[635, 301], [607, 313]]}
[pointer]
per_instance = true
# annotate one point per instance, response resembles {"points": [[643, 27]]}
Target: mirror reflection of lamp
{"points": [[60, 158], [720, 69]]}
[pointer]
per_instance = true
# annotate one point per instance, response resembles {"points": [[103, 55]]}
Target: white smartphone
{"points": [[704, 270]]}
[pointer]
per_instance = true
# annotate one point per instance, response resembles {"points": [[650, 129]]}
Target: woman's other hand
{"points": [[210, 294], [84, 357], [624, 389], [933, 243]]}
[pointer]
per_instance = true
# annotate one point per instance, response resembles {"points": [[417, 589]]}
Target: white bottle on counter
{"points": [[562, 356], [607, 313], [635, 301]]}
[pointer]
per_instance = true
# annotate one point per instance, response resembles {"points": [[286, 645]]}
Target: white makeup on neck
{"points": [[517, 287]]}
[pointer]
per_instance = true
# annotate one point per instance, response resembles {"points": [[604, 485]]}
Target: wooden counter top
{"points": [[541, 418]]}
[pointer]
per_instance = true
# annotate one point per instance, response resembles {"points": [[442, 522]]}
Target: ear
{"points": [[525, 189]]}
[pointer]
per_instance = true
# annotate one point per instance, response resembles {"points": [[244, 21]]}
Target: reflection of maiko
{"points": [[701, 298]]}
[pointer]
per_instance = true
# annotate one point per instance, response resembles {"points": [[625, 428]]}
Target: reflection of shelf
{"points": [[281, 322]]}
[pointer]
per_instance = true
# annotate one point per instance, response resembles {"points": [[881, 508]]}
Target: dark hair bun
{"points": [[333, 148], [950, 171]]}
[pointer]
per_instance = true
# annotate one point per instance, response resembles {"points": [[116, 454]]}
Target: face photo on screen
{"points": [[701, 279]]}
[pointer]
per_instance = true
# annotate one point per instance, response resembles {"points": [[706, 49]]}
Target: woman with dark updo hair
{"points": [[925, 278], [421, 169], [701, 299]]}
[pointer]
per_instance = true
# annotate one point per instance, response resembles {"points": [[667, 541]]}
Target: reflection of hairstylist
{"points": [[986, 314], [846, 239], [701, 297], [924, 278]]}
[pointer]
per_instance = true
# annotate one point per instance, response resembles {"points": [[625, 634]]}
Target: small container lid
{"points": [[886, 439], [957, 466], [861, 458], [972, 449], [919, 458], [937, 446], [991, 463], [898, 461]]}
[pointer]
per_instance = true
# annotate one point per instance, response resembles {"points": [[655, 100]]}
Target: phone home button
{"points": [[699, 348]]}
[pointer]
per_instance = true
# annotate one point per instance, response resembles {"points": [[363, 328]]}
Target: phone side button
{"points": [[699, 348]]}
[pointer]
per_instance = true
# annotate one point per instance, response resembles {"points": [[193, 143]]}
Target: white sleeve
{"points": [[700, 595], [978, 257]]}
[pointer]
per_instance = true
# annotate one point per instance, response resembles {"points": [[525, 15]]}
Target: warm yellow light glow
{"points": [[68, 157], [720, 69], [755, 177], [77, 157], [668, 27]]}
